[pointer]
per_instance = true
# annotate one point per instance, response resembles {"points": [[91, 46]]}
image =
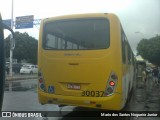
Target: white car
{"points": [[29, 69]]}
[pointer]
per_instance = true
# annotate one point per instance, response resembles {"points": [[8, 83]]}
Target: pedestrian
{"points": [[147, 73], [159, 77], [144, 76], [155, 73]]}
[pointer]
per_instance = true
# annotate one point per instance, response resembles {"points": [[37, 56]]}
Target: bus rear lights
{"points": [[42, 86], [113, 76], [40, 80], [111, 83], [109, 90]]}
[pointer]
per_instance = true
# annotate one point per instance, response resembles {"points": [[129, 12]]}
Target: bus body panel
{"points": [[89, 69], [110, 103], [89, 74]]}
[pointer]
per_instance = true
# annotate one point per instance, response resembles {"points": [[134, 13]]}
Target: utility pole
{"points": [[11, 43]]}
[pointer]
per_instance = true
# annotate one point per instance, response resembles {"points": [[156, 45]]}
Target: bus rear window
{"points": [[76, 34]]}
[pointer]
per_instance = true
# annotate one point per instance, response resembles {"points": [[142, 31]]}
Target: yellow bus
{"points": [[84, 60]]}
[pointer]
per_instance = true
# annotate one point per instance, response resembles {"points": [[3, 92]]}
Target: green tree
{"points": [[149, 49], [26, 47]]}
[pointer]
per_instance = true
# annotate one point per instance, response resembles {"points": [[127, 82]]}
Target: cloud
{"points": [[135, 15]]}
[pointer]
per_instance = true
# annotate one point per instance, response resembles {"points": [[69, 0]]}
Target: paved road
{"points": [[23, 97]]}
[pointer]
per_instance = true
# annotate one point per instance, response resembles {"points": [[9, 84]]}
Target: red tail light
{"points": [[41, 81], [111, 85]]}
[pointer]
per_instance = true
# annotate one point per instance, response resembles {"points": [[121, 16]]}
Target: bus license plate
{"points": [[73, 86]]}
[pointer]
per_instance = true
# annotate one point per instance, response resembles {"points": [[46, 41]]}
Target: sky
{"points": [[139, 18]]}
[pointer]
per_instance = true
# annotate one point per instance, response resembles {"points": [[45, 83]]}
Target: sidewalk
{"points": [[21, 77]]}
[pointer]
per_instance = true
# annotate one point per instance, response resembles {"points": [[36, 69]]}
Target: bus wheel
{"points": [[130, 93]]}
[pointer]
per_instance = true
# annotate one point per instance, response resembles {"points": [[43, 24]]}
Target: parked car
{"points": [[29, 69], [16, 67]]}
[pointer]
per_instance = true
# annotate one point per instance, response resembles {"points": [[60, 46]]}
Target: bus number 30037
{"points": [[92, 93]]}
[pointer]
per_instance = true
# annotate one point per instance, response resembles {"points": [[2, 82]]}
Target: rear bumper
{"points": [[113, 102]]}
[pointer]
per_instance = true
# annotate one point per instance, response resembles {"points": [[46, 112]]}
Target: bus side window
{"points": [[50, 42], [129, 54], [123, 47]]}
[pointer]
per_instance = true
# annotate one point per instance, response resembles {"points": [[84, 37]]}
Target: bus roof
{"points": [[73, 16]]}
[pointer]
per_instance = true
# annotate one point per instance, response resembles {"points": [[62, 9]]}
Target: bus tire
{"points": [[128, 99]]}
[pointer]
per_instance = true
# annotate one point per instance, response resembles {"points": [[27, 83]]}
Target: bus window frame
{"points": [[123, 46], [44, 34]]}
